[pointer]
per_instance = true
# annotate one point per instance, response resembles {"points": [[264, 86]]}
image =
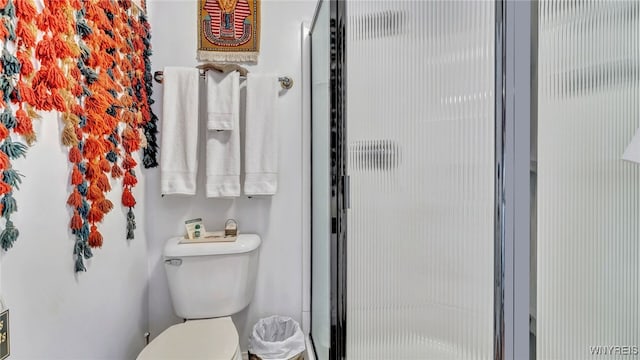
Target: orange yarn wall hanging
{"points": [[91, 65]]}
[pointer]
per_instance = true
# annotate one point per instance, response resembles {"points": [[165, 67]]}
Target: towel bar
{"points": [[285, 81]]}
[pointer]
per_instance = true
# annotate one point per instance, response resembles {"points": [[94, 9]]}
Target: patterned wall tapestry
{"points": [[91, 64], [228, 30]]}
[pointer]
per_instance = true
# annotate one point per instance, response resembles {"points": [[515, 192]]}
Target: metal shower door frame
{"points": [[339, 180]]}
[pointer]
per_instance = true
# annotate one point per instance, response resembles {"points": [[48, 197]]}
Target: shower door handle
{"points": [[346, 183]]}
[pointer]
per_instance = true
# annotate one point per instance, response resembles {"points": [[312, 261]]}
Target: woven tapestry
{"points": [[229, 30], [89, 61]]}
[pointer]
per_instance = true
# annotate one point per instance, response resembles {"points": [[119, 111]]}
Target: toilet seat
{"points": [[211, 339]]}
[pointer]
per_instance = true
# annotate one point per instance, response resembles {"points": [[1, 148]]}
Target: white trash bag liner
{"points": [[276, 338]]}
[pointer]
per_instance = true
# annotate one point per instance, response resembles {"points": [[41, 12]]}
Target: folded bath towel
{"points": [[179, 154], [261, 143], [223, 100], [223, 161]]}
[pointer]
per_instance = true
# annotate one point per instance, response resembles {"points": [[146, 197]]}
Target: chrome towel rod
{"points": [[285, 81]]}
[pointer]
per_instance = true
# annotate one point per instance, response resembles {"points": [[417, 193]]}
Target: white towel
{"points": [[223, 100], [223, 161], [179, 157], [261, 143]]}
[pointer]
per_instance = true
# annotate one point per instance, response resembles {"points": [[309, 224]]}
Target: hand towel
{"points": [[261, 141], [179, 153], [223, 161], [223, 100]]}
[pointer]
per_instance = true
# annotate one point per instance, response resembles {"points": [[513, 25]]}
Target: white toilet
{"points": [[208, 283]]}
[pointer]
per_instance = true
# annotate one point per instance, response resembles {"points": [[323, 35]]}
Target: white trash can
{"points": [[276, 338]]}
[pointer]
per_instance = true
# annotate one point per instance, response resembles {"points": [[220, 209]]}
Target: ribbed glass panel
{"points": [[588, 198], [420, 128], [321, 185]]}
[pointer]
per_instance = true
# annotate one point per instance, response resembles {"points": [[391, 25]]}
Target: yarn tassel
{"points": [[58, 101], [25, 93], [75, 199], [43, 101], [127, 198], [4, 161], [83, 29], [4, 132], [26, 32], [105, 166], [12, 177], [94, 193], [24, 125], [116, 171], [69, 137], [55, 77], [76, 221], [103, 183], [4, 31], [129, 179], [95, 238], [63, 50], [25, 9], [4, 188], [13, 149], [143, 139], [32, 112], [131, 224], [10, 63], [74, 155], [77, 247], [104, 205], [8, 10], [83, 188], [88, 254], [9, 205], [131, 140], [45, 52], [92, 171], [111, 155], [83, 233], [95, 215], [92, 148], [79, 267], [128, 163], [7, 118], [9, 235], [83, 210], [76, 176]]}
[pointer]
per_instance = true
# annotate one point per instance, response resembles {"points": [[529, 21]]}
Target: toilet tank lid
{"points": [[244, 243]]}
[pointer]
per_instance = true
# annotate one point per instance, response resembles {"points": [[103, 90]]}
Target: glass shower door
{"points": [[420, 138], [588, 198]]}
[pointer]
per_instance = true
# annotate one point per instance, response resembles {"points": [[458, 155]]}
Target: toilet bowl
{"points": [[211, 339], [208, 282]]}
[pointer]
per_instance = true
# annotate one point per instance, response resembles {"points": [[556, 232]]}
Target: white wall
{"points": [[277, 220], [54, 313]]}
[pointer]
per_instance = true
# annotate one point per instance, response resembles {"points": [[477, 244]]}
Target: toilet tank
{"points": [[208, 280]]}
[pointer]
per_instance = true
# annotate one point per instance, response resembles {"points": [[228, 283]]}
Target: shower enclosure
{"points": [[469, 200], [403, 178]]}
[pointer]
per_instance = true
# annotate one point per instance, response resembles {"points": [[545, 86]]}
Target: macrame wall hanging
{"points": [[90, 64]]}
